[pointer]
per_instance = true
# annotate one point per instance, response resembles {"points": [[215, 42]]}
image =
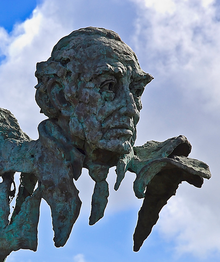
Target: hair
{"points": [[81, 47]]}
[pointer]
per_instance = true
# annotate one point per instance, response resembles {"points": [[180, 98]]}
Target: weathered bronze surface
{"points": [[90, 89]]}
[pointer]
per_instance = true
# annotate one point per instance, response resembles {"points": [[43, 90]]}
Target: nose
{"points": [[130, 109], [124, 104]]}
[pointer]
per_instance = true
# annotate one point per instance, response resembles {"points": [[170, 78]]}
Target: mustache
{"points": [[117, 121]]}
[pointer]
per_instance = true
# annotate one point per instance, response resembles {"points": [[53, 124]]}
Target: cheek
{"points": [[90, 102], [92, 128], [91, 98], [108, 96], [82, 111], [95, 101], [138, 103], [76, 128]]}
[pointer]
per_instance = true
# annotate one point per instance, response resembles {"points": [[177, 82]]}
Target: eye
{"points": [[108, 89], [136, 89], [108, 86]]}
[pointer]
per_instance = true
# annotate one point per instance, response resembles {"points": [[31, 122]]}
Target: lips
{"points": [[118, 121], [116, 128], [123, 126], [118, 133]]}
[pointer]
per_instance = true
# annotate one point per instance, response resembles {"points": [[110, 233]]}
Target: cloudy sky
{"points": [[178, 42]]}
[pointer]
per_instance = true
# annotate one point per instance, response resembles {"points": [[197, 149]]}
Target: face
{"points": [[109, 106], [94, 93]]}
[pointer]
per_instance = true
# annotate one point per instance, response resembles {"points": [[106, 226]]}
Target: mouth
{"points": [[123, 127], [119, 131], [117, 122]]}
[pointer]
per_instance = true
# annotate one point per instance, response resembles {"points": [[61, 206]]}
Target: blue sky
{"points": [[13, 12], [178, 42]]}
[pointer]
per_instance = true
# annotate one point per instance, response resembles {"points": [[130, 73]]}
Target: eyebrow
{"points": [[139, 76], [117, 68], [142, 77]]}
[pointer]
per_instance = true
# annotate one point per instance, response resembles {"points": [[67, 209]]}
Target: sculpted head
{"points": [[92, 86]]}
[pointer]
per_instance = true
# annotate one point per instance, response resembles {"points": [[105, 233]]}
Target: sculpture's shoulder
{"points": [[9, 127]]}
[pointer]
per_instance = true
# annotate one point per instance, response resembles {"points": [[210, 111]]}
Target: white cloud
{"points": [[180, 48], [170, 6], [29, 43], [4, 40], [194, 226], [178, 42], [162, 7], [79, 258], [173, 43], [206, 3]]}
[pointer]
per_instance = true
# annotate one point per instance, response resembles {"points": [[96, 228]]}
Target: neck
{"points": [[53, 136]]}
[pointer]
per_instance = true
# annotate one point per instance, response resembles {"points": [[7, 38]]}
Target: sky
{"points": [[178, 42]]}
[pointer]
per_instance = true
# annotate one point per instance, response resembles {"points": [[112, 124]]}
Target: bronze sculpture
{"points": [[90, 89]]}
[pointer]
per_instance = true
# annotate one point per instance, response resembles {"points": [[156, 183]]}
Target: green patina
{"points": [[90, 89]]}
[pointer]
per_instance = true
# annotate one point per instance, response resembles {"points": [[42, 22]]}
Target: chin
{"points": [[117, 146], [109, 152]]}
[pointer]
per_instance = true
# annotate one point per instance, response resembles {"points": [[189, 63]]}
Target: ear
{"points": [[44, 102], [56, 94]]}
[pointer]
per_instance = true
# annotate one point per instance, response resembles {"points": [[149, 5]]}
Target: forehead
{"points": [[94, 55], [110, 56]]}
